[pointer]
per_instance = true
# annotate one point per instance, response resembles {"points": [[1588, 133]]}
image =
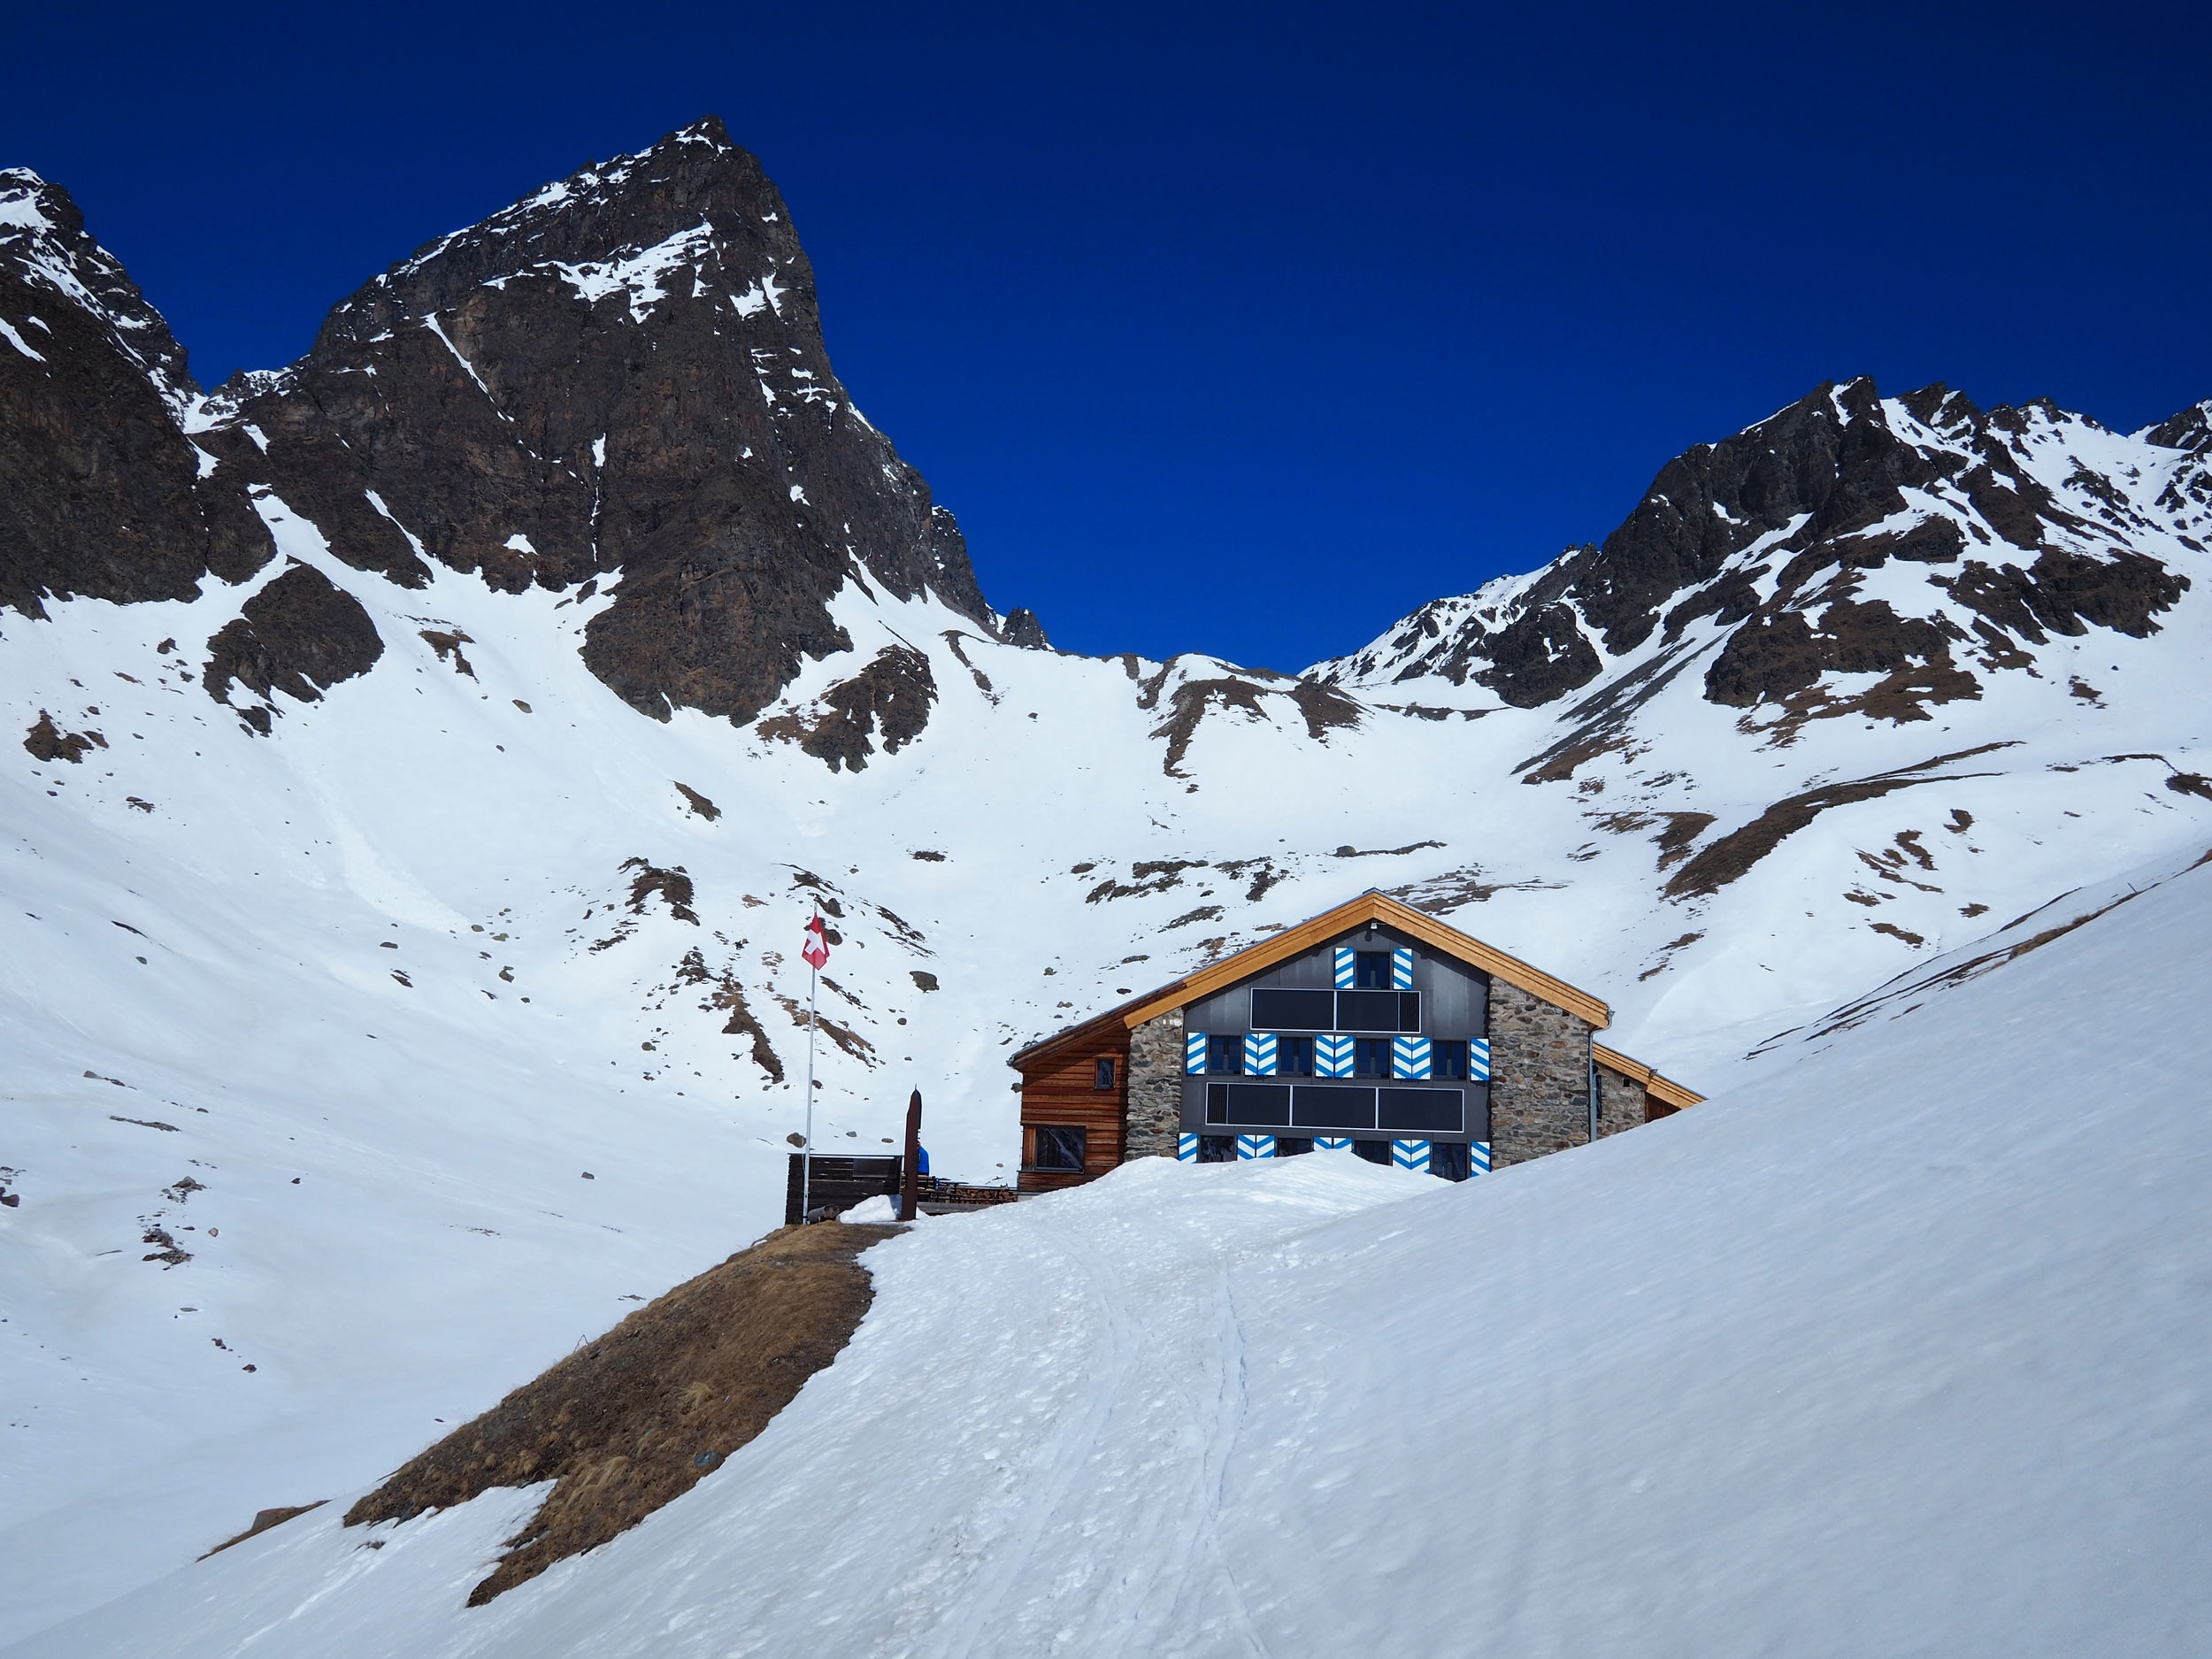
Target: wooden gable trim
{"points": [[1377, 907], [1659, 1089], [1107, 1031]]}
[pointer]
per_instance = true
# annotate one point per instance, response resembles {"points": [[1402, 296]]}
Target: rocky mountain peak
{"points": [[100, 492], [2190, 430], [614, 226], [620, 380], [45, 249], [1919, 539]]}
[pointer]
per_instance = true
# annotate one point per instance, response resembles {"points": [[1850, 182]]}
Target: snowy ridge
{"points": [[1957, 482], [567, 197]]}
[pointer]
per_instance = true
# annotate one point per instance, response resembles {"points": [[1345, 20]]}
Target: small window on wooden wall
{"points": [[1059, 1147], [1104, 1076]]}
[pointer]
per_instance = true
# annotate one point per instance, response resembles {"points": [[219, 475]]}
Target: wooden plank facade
{"points": [[1080, 1085]]}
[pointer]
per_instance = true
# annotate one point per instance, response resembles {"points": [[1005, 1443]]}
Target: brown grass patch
{"points": [[628, 1421], [262, 1520], [1734, 853]]}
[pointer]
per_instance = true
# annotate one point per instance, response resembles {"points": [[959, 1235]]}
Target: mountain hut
{"points": [[1372, 1027]]}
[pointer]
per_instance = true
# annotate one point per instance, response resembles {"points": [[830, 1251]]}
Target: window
{"points": [[1291, 1146], [1373, 1151], [1371, 969], [1216, 1148], [1415, 1111], [1449, 1159], [1378, 1010], [1105, 1078], [1059, 1147], [1448, 1058], [1370, 1057], [1276, 1009], [1224, 1056], [1279, 1010], [1293, 1057], [1261, 1105], [1336, 1107]]}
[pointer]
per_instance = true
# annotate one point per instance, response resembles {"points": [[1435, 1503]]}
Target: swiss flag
{"points": [[816, 950]]}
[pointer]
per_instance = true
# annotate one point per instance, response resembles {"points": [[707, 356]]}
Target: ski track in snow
{"points": [[441, 1125], [1898, 1348]]}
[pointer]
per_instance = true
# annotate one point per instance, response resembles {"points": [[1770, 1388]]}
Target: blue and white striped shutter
{"points": [[1409, 1057], [1478, 1158], [1332, 1054], [1255, 1147], [1195, 1052], [1402, 968], [1187, 1149], [1346, 968], [1478, 1059], [1333, 1143], [1259, 1054], [1410, 1155]]}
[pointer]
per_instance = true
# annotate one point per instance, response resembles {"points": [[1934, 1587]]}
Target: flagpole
{"points": [[806, 1158]]}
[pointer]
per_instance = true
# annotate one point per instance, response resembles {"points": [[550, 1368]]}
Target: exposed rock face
{"points": [[45, 741], [101, 492], [620, 380], [1022, 628], [892, 695], [621, 377], [1774, 535], [301, 635]]}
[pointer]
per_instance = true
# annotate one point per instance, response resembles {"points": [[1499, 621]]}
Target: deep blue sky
{"points": [[1241, 329]]}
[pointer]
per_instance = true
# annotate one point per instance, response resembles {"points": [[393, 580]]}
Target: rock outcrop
{"points": [[1774, 533], [618, 384], [101, 492]]}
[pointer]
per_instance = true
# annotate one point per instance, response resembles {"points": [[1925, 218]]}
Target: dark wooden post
{"points": [[911, 1180]]}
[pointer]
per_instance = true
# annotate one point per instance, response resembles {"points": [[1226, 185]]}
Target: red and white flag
{"points": [[816, 950]]}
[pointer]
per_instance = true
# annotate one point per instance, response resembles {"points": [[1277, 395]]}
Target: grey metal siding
{"points": [[1454, 1004]]}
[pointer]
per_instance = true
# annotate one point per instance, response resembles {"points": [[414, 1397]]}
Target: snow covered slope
{"points": [[1894, 1347], [398, 968]]}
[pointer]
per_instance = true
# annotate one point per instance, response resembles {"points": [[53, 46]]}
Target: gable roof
{"points": [[1661, 1089], [1369, 906]]}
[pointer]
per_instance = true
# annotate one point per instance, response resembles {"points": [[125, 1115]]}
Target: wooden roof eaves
{"points": [[1664, 1089], [1369, 906], [1048, 1049]]}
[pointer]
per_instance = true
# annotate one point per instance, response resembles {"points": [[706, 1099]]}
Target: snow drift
{"points": [[1895, 1347]]}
